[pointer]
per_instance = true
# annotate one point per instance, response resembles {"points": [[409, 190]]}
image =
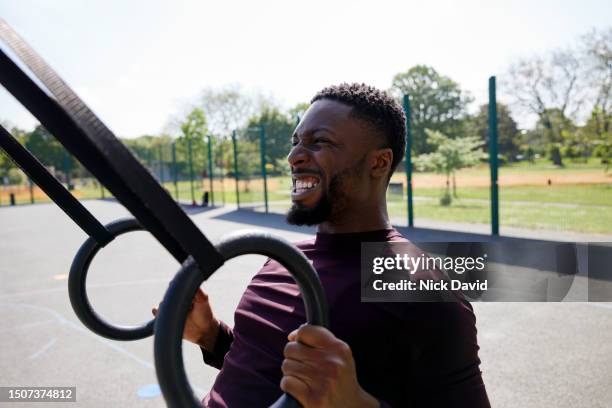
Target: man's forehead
{"points": [[325, 113]]}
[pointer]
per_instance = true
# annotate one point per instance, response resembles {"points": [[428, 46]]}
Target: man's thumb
{"points": [[200, 296]]}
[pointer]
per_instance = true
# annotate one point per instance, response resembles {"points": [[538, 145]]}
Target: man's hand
{"points": [[201, 327], [319, 371]]}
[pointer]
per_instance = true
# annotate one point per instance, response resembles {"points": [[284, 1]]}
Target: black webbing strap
{"points": [[53, 188], [57, 121], [97, 148]]}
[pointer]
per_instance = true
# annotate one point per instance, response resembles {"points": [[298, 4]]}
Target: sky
{"points": [[138, 64]]}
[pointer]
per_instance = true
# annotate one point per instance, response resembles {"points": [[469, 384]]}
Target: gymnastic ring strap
{"points": [[77, 290], [175, 306]]}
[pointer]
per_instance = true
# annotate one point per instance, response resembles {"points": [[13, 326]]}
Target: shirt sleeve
{"points": [[222, 346]]}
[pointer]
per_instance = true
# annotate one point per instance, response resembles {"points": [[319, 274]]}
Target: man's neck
{"points": [[361, 219]]}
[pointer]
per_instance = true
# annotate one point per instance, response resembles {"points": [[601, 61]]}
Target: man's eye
{"points": [[321, 140]]}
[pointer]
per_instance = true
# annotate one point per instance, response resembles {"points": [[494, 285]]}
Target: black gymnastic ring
{"points": [[173, 311], [78, 292]]}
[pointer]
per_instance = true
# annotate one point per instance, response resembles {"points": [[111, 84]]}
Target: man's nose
{"points": [[298, 156]]}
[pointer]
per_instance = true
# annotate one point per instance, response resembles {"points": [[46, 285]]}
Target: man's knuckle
{"points": [[285, 366], [289, 349], [343, 349], [283, 384], [331, 369]]}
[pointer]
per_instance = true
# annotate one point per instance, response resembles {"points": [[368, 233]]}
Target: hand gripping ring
{"points": [[177, 301], [78, 293]]}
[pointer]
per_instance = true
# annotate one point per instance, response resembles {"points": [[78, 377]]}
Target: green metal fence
{"points": [[444, 175], [250, 169], [239, 169]]}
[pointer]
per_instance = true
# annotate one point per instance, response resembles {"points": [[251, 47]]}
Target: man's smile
{"points": [[305, 185]]}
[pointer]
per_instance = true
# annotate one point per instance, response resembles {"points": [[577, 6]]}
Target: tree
{"points": [[248, 161], [548, 86], [278, 128], [6, 164], [565, 129], [46, 149], [600, 137], [223, 156], [578, 142], [450, 155], [437, 103], [298, 111], [141, 147], [597, 50], [155, 152], [49, 151], [508, 133], [229, 108], [194, 130]]}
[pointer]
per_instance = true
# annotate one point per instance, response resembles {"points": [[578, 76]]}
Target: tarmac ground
{"points": [[533, 354]]}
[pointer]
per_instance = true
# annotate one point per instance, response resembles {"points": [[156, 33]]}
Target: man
{"points": [[345, 149]]}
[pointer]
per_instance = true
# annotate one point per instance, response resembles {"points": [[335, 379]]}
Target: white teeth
{"points": [[304, 185]]}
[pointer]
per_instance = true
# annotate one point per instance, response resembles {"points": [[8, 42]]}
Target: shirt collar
{"points": [[353, 239]]}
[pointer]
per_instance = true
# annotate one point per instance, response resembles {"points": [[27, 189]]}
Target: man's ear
{"points": [[381, 162]]}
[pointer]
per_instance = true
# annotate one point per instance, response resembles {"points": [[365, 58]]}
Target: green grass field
{"points": [[576, 195], [574, 204], [580, 208]]}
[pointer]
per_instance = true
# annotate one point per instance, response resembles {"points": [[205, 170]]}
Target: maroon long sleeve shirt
{"points": [[406, 354]]}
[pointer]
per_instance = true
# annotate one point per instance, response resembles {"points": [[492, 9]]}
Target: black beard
{"points": [[330, 203], [301, 215]]}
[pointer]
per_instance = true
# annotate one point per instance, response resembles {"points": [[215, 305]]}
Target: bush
{"points": [[528, 153], [16, 176], [554, 154], [446, 199]]}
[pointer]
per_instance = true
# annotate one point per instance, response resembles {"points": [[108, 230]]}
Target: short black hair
{"points": [[377, 109]]}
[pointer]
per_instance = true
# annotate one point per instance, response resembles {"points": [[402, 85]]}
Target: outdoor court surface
{"points": [[533, 354]]}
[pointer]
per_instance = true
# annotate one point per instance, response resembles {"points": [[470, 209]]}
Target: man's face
{"points": [[327, 163]]}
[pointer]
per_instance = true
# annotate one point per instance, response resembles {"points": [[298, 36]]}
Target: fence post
{"points": [[193, 202], [222, 172], [175, 171], [264, 173], [408, 160], [31, 190], [149, 161], [236, 168], [210, 171], [493, 160], [161, 165], [29, 179], [66, 164]]}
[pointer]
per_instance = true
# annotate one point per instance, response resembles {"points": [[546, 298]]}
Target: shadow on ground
{"points": [[260, 219], [188, 208], [528, 259]]}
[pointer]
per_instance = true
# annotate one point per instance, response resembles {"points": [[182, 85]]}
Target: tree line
{"points": [[567, 90]]}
